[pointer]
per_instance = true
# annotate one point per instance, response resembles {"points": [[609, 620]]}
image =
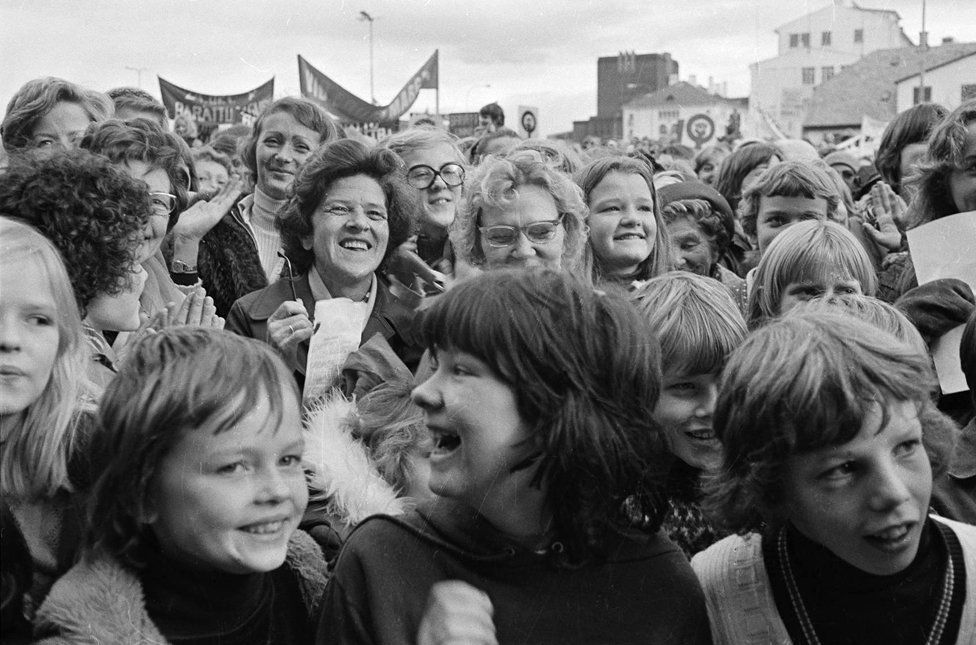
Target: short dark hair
{"points": [[494, 112], [141, 140], [740, 163], [139, 100], [914, 125], [585, 371], [336, 160], [805, 382], [302, 110], [92, 211], [787, 179], [38, 97], [172, 382]]}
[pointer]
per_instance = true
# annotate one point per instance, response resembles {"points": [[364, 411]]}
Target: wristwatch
{"points": [[179, 266]]}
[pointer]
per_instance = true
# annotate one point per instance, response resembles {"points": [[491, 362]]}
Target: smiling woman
{"points": [[51, 113], [350, 210]]}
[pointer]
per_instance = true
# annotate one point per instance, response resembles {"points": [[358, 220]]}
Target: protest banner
{"points": [[347, 106], [213, 110]]}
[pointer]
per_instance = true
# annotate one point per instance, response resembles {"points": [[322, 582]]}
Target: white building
{"points": [[680, 113], [948, 83], [811, 50]]}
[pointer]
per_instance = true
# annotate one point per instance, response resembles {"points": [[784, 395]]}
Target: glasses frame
{"points": [[437, 173], [172, 199], [521, 230]]}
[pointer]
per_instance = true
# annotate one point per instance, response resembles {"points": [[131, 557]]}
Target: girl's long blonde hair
{"points": [[36, 450]]}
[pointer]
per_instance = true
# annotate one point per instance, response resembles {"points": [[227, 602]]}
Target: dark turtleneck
{"points": [[196, 607], [848, 605]]}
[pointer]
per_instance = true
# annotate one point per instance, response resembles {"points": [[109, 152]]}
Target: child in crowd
{"points": [[547, 463], [811, 259], [628, 240], [871, 310], [45, 405], [698, 325], [831, 441], [192, 524]]}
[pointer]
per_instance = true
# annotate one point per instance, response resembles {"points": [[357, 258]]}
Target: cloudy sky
{"points": [[528, 52]]}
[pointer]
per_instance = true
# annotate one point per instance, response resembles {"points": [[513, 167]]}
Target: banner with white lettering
{"points": [[207, 109], [347, 106]]}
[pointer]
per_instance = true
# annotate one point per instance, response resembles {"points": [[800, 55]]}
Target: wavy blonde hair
{"points": [[38, 448]]}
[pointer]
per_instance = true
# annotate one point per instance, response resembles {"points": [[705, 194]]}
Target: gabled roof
{"points": [[681, 93], [867, 87], [930, 67], [853, 5]]}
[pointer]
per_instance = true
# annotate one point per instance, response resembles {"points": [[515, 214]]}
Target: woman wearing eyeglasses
{"points": [[349, 211], [148, 154], [518, 212], [435, 167]]}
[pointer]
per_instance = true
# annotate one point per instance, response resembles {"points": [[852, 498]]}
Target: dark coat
{"points": [[390, 318]]}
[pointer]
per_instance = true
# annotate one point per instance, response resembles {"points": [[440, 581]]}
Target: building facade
{"points": [[949, 84], [681, 113], [811, 50]]}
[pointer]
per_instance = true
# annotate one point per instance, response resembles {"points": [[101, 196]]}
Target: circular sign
{"points": [[700, 128]]}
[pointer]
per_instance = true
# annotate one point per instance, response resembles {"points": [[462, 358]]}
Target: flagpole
{"points": [[437, 90]]}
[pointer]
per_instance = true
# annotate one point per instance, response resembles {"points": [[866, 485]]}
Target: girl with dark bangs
{"points": [[548, 466]]}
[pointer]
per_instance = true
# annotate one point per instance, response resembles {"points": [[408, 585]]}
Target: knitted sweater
{"points": [[741, 607]]}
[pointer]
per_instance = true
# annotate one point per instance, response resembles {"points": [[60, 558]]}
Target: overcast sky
{"points": [[531, 52]]}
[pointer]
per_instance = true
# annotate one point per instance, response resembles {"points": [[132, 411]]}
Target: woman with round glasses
{"points": [[518, 212], [349, 211]]}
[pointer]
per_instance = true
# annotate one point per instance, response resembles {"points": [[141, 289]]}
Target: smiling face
{"points": [[229, 501], [211, 176], [350, 233], [865, 500], [778, 213], [439, 201], [477, 430], [157, 181], [685, 411], [691, 249], [120, 311], [622, 224], [826, 286], [29, 335], [962, 181], [283, 146], [533, 204], [62, 127]]}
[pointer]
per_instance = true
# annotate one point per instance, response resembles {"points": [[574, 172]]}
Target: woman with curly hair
{"points": [[95, 215], [520, 212], [349, 212], [547, 463], [51, 112]]}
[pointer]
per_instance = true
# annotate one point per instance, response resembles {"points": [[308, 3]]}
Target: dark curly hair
{"points": [[302, 110], [588, 405], [141, 140], [337, 160], [93, 212]]}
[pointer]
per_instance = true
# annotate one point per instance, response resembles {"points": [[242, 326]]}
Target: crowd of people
{"points": [[603, 395]]}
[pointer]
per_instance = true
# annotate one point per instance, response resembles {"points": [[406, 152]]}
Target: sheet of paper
{"points": [[946, 248], [338, 328]]}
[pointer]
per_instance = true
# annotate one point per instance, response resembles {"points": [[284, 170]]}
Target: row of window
{"points": [[826, 73], [826, 39]]}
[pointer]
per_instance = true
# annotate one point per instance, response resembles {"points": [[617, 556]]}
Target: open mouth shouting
{"points": [[446, 441], [893, 538]]}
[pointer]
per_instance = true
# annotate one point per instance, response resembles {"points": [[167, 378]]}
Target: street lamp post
{"points": [[138, 71], [368, 18]]}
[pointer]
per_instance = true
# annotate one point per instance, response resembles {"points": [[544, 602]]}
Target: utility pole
{"points": [[138, 71], [368, 18]]}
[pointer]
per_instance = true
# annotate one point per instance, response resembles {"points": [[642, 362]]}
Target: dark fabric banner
{"points": [[349, 107], [206, 109]]}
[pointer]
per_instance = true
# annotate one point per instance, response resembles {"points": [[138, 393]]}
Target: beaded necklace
{"points": [[806, 625]]}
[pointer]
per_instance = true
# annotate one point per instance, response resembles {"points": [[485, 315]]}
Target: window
{"points": [[668, 114], [805, 39], [825, 39], [927, 95], [859, 35], [826, 73], [808, 73], [794, 41]]}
